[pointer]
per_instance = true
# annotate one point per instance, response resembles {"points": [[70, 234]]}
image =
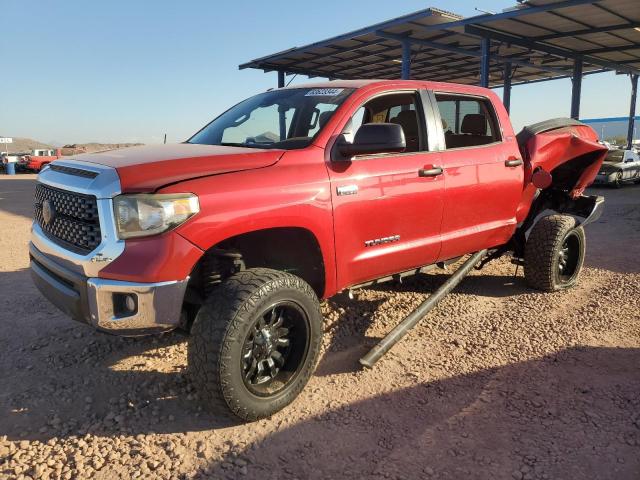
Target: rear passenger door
{"points": [[483, 175]]}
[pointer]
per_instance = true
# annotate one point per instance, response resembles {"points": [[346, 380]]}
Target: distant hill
{"points": [[25, 145], [96, 147], [20, 145]]}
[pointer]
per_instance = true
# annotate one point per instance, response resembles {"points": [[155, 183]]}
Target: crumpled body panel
{"points": [[571, 154]]}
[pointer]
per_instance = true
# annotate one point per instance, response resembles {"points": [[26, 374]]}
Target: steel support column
{"points": [[506, 95], [484, 62], [282, 120], [406, 60], [632, 110], [576, 89]]}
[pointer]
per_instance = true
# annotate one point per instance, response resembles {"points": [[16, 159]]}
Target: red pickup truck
{"points": [[40, 158], [294, 195]]}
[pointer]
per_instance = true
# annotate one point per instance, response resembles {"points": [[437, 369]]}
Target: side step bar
{"points": [[400, 330]]}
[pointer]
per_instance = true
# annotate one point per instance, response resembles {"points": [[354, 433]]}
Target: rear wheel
{"points": [[255, 343], [554, 253]]}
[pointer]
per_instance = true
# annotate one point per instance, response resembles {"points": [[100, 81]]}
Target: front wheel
{"points": [[554, 253], [255, 343]]}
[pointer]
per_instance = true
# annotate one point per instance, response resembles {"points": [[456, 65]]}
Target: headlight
{"points": [[148, 214]]}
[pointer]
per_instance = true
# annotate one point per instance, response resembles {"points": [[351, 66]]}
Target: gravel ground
{"points": [[500, 382]]}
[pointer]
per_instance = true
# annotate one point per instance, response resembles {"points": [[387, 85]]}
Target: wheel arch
{"points": [[292, 249]]}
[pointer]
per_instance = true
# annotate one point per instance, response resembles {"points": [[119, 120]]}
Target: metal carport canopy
{"points": [[534, 41]]}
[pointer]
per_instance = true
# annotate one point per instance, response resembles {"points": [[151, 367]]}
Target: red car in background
{"points": [[39, 158]]}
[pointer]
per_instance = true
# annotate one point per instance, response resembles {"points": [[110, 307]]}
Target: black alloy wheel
{"points": [[275, 347]]}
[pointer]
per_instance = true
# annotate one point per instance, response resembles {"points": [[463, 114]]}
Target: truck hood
{"points": [[147, 168]]}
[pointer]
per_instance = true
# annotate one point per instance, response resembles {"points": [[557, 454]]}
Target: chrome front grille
{"points": [[69, 219]]}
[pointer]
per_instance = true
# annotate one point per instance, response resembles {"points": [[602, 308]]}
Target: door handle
{"points": [[430, 172], [513, 162]]}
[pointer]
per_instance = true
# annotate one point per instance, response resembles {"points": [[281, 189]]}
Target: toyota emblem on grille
{"points": [[48, 212]]}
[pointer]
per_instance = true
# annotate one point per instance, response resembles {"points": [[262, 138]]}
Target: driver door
{"points": [[386, 216]]}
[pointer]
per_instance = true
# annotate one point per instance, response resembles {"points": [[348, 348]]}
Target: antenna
{"points": [[482, 10]]}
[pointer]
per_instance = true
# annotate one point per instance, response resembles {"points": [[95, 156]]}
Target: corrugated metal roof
{"points": [[540, 38]]}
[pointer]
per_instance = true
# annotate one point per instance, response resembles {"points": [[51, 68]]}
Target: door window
{"points": [[467, 121], [398, 108]]}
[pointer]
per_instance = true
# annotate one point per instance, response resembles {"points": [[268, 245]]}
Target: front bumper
{"points": [[101, 303]]}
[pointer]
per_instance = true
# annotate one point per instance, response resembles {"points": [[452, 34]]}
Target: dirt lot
{"points": [[499, 382]]}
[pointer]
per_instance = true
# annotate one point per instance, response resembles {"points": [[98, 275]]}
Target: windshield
{"points": [[286, 119]]}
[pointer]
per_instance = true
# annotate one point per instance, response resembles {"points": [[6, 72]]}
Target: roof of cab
{"points": [[454, 87]]}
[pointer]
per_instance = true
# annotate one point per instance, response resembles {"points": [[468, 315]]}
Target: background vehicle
{"points": [[297, 194], [39, 158], [620, 166]]}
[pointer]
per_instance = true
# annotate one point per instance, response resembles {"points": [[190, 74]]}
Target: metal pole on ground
{"points": [[576, 88], [418, 314], [506, 95], [632, 110]]}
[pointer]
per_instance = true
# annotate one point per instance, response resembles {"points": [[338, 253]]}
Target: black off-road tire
{"points": [[542, 256], [219, 333], [617, 183]]}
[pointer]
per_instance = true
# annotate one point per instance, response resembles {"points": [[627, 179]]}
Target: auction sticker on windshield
{"points": [[323, 92]]}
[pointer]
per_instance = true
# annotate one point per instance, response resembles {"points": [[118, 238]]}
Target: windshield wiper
{"points": [[244, 145]]}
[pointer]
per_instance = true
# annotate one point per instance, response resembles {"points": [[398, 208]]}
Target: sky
{"points": [[131, 71]]}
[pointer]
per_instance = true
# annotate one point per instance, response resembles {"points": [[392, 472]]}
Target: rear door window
{"points": [[467, 121]]}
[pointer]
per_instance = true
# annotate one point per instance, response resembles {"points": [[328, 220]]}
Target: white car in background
{"points": [[620, 166]]}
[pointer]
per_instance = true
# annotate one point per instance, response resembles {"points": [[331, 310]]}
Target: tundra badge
{"points": [[380, 241]]}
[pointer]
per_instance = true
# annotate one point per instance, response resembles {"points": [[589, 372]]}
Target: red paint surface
{"points": [[154, 259], [475, 204], [144, 169]]}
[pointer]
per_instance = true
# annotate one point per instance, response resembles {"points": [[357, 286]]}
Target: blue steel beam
{"points": [[467, 52], [539, 80], [282, 119], [624, 48], [584, 24], [632, 110], [485, 51], [542, 47], [586, 31], [406, 60], [576, 88], [349, 35], [506, 95], [510, 14]]}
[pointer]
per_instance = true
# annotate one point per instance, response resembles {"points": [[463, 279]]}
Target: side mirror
{"points": [[372, 138]]}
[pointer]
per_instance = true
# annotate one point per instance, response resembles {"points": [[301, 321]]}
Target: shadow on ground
{"points": [[16, 194], [570, 415]]}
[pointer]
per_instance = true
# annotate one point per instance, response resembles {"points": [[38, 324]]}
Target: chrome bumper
{"points": [[101, 303]]}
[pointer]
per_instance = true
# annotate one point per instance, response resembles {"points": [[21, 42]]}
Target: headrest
{"points": [[408, 120], [474, 123], [406, 116], [324, 118]]}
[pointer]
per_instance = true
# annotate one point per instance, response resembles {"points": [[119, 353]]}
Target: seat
{"points": [[473, 132], [408, 120]]}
